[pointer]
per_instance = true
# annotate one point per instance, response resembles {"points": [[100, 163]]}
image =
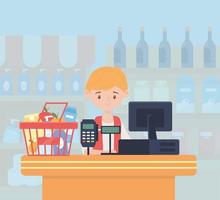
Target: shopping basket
{"points": [[49, 138]]}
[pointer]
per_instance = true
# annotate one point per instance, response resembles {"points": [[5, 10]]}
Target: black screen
{"points": [[142, 116]]}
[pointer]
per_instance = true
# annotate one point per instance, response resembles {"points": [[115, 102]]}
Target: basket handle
{"points": [[56, 103]]}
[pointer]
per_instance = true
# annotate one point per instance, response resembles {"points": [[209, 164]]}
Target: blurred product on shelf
{"points": [[2, 50], [187, 51], [41, 82], [70, 114], [211, 95], [206, 145], [68, 50], [142, 90], [217, 145], [12, 134], [164, 52], [15, 178], [76, 83], [189, 57], [24, 83], [32, 50], [209, 51], [142, 51], [161, 91], [6, 82], [185, 95], [58, 83], [120, 51]]}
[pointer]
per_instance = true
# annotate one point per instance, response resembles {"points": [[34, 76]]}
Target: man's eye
{"points": [[114, 97], [99, 96]]}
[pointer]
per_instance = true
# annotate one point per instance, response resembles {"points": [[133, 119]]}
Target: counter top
{"points": [[114, 165]]}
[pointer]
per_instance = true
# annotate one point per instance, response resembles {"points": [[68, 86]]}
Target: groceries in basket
{"points": [[31, 117], [46, 116], [48, 133], [70, 114]]}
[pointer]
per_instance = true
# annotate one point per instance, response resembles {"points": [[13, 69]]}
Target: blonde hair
{"points": [[105, 78]]}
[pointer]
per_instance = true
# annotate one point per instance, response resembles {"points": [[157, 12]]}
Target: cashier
{"points": [[107, 87]]}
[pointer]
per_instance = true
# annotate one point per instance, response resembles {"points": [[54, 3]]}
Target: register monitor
{"points": [[150, 117]]}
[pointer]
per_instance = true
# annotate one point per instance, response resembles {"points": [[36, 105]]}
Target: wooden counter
{"points": [[109, 177]]}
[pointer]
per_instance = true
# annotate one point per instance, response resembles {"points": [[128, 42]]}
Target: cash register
{"points": [[150, 117]]}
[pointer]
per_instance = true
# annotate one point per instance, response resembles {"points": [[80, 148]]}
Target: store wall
{"points": [[48, 48]]}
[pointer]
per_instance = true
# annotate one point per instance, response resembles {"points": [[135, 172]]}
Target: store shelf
{"points": [[167, 73], [41, 98]]}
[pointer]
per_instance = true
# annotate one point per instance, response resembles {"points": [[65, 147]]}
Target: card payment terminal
{"points": [[89, 133]]}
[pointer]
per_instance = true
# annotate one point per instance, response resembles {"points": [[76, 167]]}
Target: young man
{"points": [[106, 88]]}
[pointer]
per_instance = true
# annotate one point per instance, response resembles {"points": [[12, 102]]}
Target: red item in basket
{"points": [[46, 116], [48, 141]]}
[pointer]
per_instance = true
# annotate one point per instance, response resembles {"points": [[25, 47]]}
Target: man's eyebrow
{"points": [[115, 92], [98, 92]]}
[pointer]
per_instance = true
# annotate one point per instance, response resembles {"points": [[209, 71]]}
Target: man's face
{"points": [[107, 100]]}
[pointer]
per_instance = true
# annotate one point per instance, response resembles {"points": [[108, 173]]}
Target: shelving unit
{"points": [[151, 73], [16, 106], [190, 124], [15, 98]]}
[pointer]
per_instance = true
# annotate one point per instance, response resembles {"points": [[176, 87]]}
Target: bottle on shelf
{"points": [[41, 83], [187, 51], [211, 95], [12, 132], [32, 46], [120, 51], [164, 51], [24, 83], [206, 145], [68, 51], [142, 51], [76, 83], [6, 82], [2, 50], [58, 83], [142, 90], [161, 91], [185, 95], [209, 51]]}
